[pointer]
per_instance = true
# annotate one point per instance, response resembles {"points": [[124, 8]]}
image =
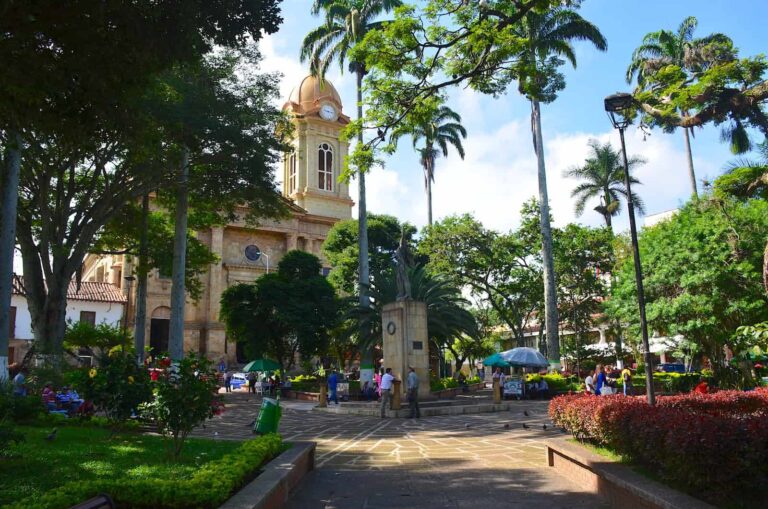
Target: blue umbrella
{"points": [[524, 357], [495, 361]]}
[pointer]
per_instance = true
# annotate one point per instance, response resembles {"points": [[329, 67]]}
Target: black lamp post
{"points": [[618, 107]]}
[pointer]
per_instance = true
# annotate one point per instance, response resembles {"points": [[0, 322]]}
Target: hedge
{"points": [[715, 445], [209, 487]]}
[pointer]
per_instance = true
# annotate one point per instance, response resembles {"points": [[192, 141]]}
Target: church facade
{"points": [[317, 201]]}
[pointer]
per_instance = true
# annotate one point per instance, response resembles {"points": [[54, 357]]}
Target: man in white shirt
{"points": [[589, 382], [386, 390]]}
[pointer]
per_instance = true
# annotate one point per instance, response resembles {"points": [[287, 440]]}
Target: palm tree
{"points": [[443, 129], [346, 23], [603, 176], [549, 35], [664, 47]]}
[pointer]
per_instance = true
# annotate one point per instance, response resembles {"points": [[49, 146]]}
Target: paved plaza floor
{"points": [[472, 461]]}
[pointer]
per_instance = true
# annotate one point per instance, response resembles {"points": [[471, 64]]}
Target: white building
{"points": [[93, 302]]}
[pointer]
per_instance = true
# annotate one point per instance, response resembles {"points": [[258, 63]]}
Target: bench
{"points": [[102, 501]]}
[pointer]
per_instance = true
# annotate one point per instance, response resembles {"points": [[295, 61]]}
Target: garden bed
{"points": [[135, 470], [713, 446]]}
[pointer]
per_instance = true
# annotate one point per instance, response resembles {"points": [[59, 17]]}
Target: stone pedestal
{"points": [[405, 341]]}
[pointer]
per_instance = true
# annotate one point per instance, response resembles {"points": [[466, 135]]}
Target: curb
{"points": [[273, 486], [616, 483]]}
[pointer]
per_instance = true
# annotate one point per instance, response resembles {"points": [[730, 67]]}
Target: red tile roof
{"points": [[89, 291]]}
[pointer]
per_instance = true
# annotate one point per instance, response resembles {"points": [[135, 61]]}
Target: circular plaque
{"points": [[252, 252], [391, 328]]}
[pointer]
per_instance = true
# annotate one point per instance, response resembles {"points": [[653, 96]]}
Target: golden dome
{"points": [[311, 93]]}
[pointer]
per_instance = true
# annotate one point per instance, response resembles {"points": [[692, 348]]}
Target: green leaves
{"points": [[292, 310]]}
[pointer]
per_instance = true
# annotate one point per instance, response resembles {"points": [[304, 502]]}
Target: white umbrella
{"points": [[525, 357]]}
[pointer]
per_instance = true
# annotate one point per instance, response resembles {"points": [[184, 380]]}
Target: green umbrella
{"points": [[495, 361], [261, 365]]}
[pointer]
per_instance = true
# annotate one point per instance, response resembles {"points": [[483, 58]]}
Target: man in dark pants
{"points": [[412, 384]]}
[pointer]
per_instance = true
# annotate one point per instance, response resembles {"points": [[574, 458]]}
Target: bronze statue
{"points": [[404, 261]]}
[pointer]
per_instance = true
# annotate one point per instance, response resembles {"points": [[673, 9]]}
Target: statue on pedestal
{"points": [[404, 261]]}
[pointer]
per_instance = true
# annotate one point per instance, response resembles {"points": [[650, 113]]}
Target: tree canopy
{"points": [[289, 311], [701, 272]]}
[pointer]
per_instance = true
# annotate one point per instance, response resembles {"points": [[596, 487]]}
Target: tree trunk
{"points": [[10, 198], [689, 155], [178, 293], [550, 292], [366, 354], [139, 327], [429, 171]]}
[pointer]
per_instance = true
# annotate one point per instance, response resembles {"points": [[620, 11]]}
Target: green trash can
{"points": [[269, 416]]}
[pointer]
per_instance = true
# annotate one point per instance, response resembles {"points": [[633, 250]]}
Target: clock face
{"points": [[252, 253], [328, 112]]}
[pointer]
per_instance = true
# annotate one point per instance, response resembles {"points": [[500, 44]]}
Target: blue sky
{"points": [[499, 172]]}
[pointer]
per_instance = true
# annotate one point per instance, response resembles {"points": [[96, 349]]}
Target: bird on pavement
{"points": [[544, 427], [466, 426], [525, 426], [525, 413], [506, 426], [251, 423], [52, 435]]}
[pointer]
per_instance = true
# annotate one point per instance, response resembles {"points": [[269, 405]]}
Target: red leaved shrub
{"points": [[714, 445]]}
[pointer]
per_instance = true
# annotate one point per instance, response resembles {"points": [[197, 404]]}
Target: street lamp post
{"points": [[129, 283], [618, 106]]}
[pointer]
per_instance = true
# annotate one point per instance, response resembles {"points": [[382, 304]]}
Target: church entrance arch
{"points": [[159, 330]]}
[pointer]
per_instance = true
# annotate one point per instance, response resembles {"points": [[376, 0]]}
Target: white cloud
{"points": [[500, 173]]}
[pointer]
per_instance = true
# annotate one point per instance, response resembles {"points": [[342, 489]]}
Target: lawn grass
{"points": [[88, 453]]}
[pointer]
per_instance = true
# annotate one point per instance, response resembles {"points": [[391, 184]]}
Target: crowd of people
{"points": [[603, 381], [65, 401]]}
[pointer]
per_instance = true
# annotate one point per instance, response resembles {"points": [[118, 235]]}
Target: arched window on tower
{"points": [[325, 167], [292, 173]]}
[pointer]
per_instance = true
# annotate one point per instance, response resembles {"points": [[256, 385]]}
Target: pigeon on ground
{"points": [[525, 413], [251, 423], [544, 427], [506, 426], [52, 435], [466, 425], [525, 426], [563, 430]]}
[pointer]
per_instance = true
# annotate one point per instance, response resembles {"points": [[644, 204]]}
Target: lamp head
{"points": [[618, 107]]}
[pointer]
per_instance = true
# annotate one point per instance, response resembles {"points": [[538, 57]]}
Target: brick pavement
{"points": [[435, 462]]}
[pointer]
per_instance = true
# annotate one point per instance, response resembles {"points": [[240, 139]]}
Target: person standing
{"points": [[600, 383], [589, 382], [333, 380], [377, 379], [626, 378], [252, 382], [386, 389], [19, 384], [412, 385], [228, 382]]}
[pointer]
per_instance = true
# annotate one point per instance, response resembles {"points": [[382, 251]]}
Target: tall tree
{"points": [[583, 256], [72, 189], [663, 48], [285, 312], [724, 90], [548, 36], [444, 129], [502, 270], [346, 23], [603, 177], [55, 83]]}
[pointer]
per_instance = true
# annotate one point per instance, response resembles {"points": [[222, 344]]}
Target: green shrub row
{"points": [[209, 487], [557, 382]]}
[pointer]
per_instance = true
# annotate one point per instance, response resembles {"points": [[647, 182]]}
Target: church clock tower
{"points": [[311, 171]]}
